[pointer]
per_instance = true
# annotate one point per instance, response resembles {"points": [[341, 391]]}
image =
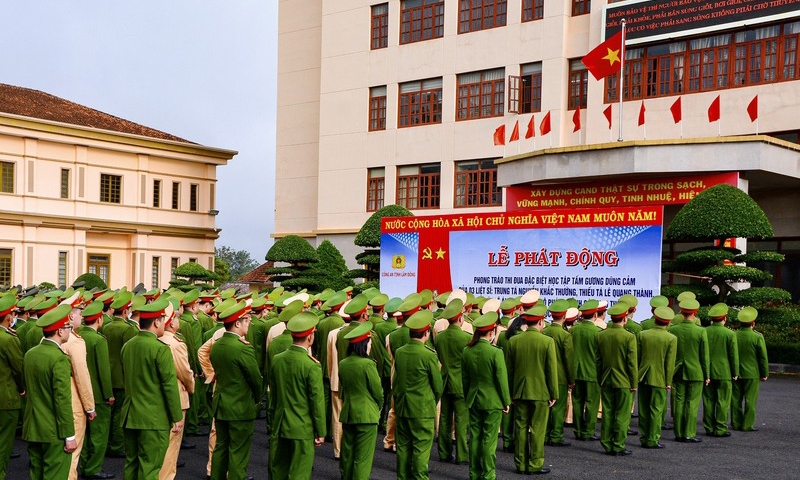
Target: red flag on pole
{"points": [[529, 133], [515, 132], [605, 59], [641, 114], [676, 110], [544, 127], [576, 120], [500, 135], [713, 110], [607, 113], [752, 109]]}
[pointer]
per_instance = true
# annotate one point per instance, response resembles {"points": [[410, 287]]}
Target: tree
{"points": [[299, 255], [91, 281], [192, 275], [369, 237], [329, 271], [222, 269], [239, 261]]}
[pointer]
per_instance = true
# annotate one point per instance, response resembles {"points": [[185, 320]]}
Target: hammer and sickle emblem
{"points": [[427, 253]]}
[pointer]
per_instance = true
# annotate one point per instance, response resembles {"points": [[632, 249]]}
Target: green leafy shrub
{"points": [[292, 249], [760, 297], [91, 281]]}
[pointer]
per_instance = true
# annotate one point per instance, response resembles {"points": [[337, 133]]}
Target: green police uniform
{"points": [[192, 333], [691, 370], [382, 331], [320, 351], [507, 421], [118, 332], [12, 384], [617, 376], [450, 344], [566, 377], [724, 363], [586, 394], [533, 381], [657, 353], [753, 365]]}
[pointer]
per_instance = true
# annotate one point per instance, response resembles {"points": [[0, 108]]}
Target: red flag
{"points": [[713, 110], [576, 120], [500, 135], [752, 109], [515, 132], [676, 110], [604, 59], [607, 113], [530, 133], [544, 127], [641, 114]]}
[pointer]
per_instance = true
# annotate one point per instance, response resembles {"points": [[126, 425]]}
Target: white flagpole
{"points": [[756, 125], [621, 79]]}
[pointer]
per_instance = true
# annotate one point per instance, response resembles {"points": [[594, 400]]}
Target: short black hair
{"points": [[145, 323], [417, 334], [359, 348]]}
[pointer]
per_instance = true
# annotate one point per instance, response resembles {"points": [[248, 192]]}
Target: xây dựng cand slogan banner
{"points": [[600, 253]]}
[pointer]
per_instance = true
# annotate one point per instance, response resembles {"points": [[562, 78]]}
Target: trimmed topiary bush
{"points": [[91, 281]]}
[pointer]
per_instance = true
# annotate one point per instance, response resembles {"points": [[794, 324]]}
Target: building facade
{"points": [[397, 102], [84, 191]]}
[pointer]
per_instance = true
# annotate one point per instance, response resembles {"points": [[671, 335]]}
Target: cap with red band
{"points": [[360, 333], [7, 304], [55, 318], [302, 325], [153, 310]]}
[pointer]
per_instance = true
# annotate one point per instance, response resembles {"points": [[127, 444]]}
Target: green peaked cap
{"points": [[659, 301], [485, 320], [302, 322], [718, 311], [747, 315], [619, 308], [361, 330], [453, 309], [420, 321], [664, 314]]}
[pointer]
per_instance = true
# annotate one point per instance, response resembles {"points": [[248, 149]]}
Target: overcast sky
{"points": [[202, 70]]}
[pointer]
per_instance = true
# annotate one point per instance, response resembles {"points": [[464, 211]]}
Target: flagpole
{"points": [[621, 79], [756, 125]]}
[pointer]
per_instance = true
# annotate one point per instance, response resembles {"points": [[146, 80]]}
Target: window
{"points": [[664, 66], [100, 265], [525, 91], [5, 267], [64, 186], [756, 56], [532, 10], [193, 197], [173, 265], [62, 268], [421, 20], [480, 94], [156, 272], [156, 193], [193, 260], [6, 177], [418, 186], [709, 63], [176, 195], [578, 84], [476, 184], [581, 7], [475, 15], [110, 188], [377, 108], [380, 26], [376, 186], [420, 103]]}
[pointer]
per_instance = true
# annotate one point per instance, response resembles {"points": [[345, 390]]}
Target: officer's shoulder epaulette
{"points": [[430, 349], [243, 340], [12, 332], [313, 359]]}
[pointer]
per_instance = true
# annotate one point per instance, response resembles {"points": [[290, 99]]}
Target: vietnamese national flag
{"points": [[500, 135], [752, 109], [641, 114], [544, 127], [713, 110], [515, 132], [676, 110], [607, 113], [605, 59], [576, 120], [529, 133]]}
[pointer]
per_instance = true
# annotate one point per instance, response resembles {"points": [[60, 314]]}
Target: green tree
{"points": [[299, 255], [369, 237], [239, 261], [91, 281], [222, 269], [192, 275], [329, 271]]}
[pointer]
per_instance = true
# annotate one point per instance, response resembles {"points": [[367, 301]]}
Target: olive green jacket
{"points": [[657, 353], [97, 361], [360, 391], [691, 361], [417, 384], [237, 393], [532, 366], [564, 352], [118, 333], [617, 360], [297, 402], [484, 377], [12, 380], [753, 361], [584, 342], [723, 352], [450, 344], [48, 406]]}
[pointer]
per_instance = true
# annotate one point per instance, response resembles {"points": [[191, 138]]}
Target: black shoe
{"points": [[520, 472], [99, 476], [632, 432], [723, 435], [666, 426], [449, 459], [562, 443], [611, 453], [508, 449], [389, 450], [187, 446], [463, 462], [680, 439], [657, 445], [624, 453], [541, 471], [693, 440], [15, 455], [180, 464]]}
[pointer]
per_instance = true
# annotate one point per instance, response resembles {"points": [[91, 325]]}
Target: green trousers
{"points": [[555, 422], [483, 426], [290, 458], [453, 410], [616, 418], [115, 442], [507, 430], [8, 428], [144, 453], [652, 405], [232, 450], [716, 404], [743, 408], [49, 461], [326, 389], [203, 412], [686, 403], [192, 422], [585, 405], [358, 450], [414, 440], [530, 424], [386, 383], [96, 440]]}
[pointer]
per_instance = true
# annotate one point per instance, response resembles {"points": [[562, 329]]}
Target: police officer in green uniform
{"points": [[48, 426], [617, 376], [237, 395], [586, 394], [382, 331], [297, 407], [630, 324], [152, 405], [724, 362], [533, 381], [12, 381], [753, 366], [118, 332], [320, 347], [417, 386], [192, 332], [450, 344], [362, 397], [554, 436], [655, 302], [656, 368], [691, 371], [485, 384]]}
